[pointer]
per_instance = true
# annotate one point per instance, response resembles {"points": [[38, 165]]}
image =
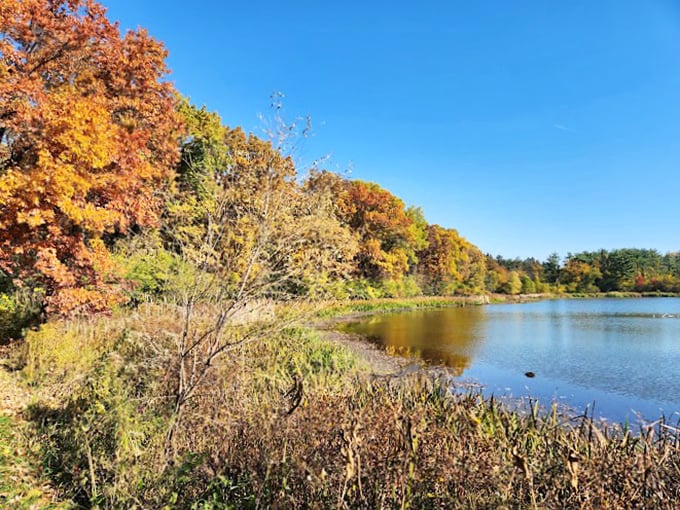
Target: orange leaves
{"points": [[88, 134], [384, 228], [80, 300], [49, 265]]}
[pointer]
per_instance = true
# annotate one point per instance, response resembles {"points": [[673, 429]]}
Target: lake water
{"points": [[621, 356]]}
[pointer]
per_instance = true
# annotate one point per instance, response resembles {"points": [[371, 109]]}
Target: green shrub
{"points": [[150, 271], [19, 310], [102, 446], [528, 285], [363, 289], [403, 288]]}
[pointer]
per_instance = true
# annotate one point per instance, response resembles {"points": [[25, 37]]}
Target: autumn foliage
{"points": [[96, 147], [383, 227], [88, 134], [450, 264]]}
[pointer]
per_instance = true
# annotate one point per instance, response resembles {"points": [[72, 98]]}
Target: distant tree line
{"points": [[626, 270]]}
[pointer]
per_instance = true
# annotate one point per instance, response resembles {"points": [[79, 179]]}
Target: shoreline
{"points": [[379, 362], [351, 309], [405, 420], [382, 363]]}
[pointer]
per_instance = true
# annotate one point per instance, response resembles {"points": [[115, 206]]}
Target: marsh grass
{"points": [[387, 305], [19, 310], [22, 486], [412, 443], [294, 421], [103, 393]]}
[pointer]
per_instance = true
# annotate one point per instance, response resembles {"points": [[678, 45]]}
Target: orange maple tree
{"points": [[383, 226], [88, 134]]}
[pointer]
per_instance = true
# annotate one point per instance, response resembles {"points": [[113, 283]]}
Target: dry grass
{"points": [[22, 485], [411, 443], [290, 421]]}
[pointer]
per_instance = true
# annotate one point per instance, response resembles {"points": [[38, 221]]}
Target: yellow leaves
{"points": [[63, 180], [33, 218], [81, 128], [450, 263], [7, 184], [7, 305], [394, 263]]}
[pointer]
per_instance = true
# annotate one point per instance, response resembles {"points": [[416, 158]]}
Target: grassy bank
{"points": [[521, 298], [291, 420], [346, 308], [387, 305], [621, 294]]}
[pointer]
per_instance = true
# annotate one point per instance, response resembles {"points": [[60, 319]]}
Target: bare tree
{"points": [[250, 237]]}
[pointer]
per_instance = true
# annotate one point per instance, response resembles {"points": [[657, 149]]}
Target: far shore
{"points": [[340, 311]]}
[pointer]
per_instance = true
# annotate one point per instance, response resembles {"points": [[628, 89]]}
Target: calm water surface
{"points": [[623, 355]]}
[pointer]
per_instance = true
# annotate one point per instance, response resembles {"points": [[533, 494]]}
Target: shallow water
{"points": [[621, 356]]}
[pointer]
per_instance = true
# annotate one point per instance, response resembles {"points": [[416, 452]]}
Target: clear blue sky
{"points": [[529, 126]]}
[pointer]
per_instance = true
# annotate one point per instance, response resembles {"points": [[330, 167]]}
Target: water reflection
{"points": [[449, 337], [623, 353]]}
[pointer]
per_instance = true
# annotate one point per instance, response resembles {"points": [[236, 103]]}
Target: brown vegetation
{"points": [[292, 421]]}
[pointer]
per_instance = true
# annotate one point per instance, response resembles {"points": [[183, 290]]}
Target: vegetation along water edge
{"points": [[160, 274]]}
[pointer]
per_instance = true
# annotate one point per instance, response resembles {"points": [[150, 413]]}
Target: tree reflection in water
{"points": [[447, 337]]}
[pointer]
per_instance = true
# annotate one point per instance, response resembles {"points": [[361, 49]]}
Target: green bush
{"points": [[102, 445], [363, 289], [19, 310], [150, 272], [405, 287], [528, 285]]}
